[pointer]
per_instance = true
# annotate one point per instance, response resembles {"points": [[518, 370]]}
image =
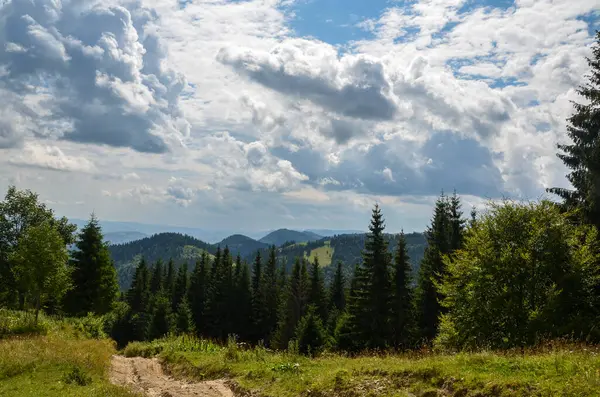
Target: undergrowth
{"points": [[56, 358]]}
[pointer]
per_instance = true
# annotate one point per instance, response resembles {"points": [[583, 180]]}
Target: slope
{"points": [[282, 236]]}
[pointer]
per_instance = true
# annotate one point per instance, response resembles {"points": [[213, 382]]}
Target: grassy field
{"points": [[545, 372], [324, 253], [55, 360]]}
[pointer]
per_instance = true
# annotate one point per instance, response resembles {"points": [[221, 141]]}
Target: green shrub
{"points": [[20, 322], [77, 376]]}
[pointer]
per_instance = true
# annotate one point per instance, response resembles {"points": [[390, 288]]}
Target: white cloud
{"points": [[51, 157]]}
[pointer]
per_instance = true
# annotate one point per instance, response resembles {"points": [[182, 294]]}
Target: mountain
{"points": [[123, 237], [211, 236], [333, 232], [243, 245], [282, 236], [164, 246]]}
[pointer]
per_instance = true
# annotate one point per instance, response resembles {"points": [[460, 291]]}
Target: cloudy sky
{"points": [[259, 114]]}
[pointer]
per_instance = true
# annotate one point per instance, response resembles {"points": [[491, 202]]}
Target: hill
{"points": [[346, 248], [123, 237], [242, 245], [179, 247], [282, 236]]}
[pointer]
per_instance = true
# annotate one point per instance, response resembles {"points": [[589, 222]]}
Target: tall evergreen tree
{"points": [[272, 294], [197, 292], [258, 299], [337, 294], [432, 269], [94, 277], [180, 287], [581, 156], [184, 322], [316, 295], [444, 236], [139, 292], [294, 306], [243, 311], [156, 279], [160, 323], [169, 279], [402, 305]]}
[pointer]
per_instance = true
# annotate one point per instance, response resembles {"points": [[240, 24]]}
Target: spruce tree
{"points": [[169, 278], [184, 322], [376, 289], [294, 306], [156, 279], [402, 304], [160, 324], [180, 287], [197, 292], [272, 294], [444, 236], [581, 155], [258, 299], [337, 294], [310, 333], [138, 294], [94, 277], [243, 311], [316, 294]]}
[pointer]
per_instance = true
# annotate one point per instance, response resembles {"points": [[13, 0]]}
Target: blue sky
{"points": [[259, 114]]}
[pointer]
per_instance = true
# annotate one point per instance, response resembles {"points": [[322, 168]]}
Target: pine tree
{"points": [[258, 299], [371, 309], [94, 277], [402, 304], [294, 307], [138, 294], [156, 280], [197, 292], [444, 236], [310, 333], [184, 322], [337, 295], [243, 311], [316, 294], [169, 278], [272, 294], [581, 156], [180, 287], [160, 324]]}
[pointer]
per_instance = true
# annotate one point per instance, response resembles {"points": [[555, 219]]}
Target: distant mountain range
{"points": [[291, 244], [118, 231]]}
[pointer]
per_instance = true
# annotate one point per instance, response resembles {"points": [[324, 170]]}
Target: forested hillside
{"points": [[282, 236], [345, 248], [164, 246]]}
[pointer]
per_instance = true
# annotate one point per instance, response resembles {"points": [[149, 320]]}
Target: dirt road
{"points": [[146, 376]]}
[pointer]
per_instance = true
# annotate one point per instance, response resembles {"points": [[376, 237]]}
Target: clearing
{"points": [[324, 253], [145, 375]]}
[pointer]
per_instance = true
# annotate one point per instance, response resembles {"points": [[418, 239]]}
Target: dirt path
{"points": [[146, 376]]}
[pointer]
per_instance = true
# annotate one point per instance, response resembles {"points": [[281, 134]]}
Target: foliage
{"points": [[523, 275], [40, 265], [581, 155], [94, 277], [310, 333]]}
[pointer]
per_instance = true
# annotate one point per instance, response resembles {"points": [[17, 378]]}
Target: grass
{"points": [[324, 253], [259, 372], [59, 361]]}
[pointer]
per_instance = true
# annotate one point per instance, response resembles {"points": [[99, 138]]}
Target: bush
{"points": [[77, 376], [91, 327], [20, 322]]}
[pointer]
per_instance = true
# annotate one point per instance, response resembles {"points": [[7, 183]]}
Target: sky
{"points": [[260, 114]]}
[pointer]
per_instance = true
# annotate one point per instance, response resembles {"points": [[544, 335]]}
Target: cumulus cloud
{"points": [[93, 73], [51, 157]]}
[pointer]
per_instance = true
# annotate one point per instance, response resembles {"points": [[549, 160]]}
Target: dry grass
{"points": [[56, 364]]}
